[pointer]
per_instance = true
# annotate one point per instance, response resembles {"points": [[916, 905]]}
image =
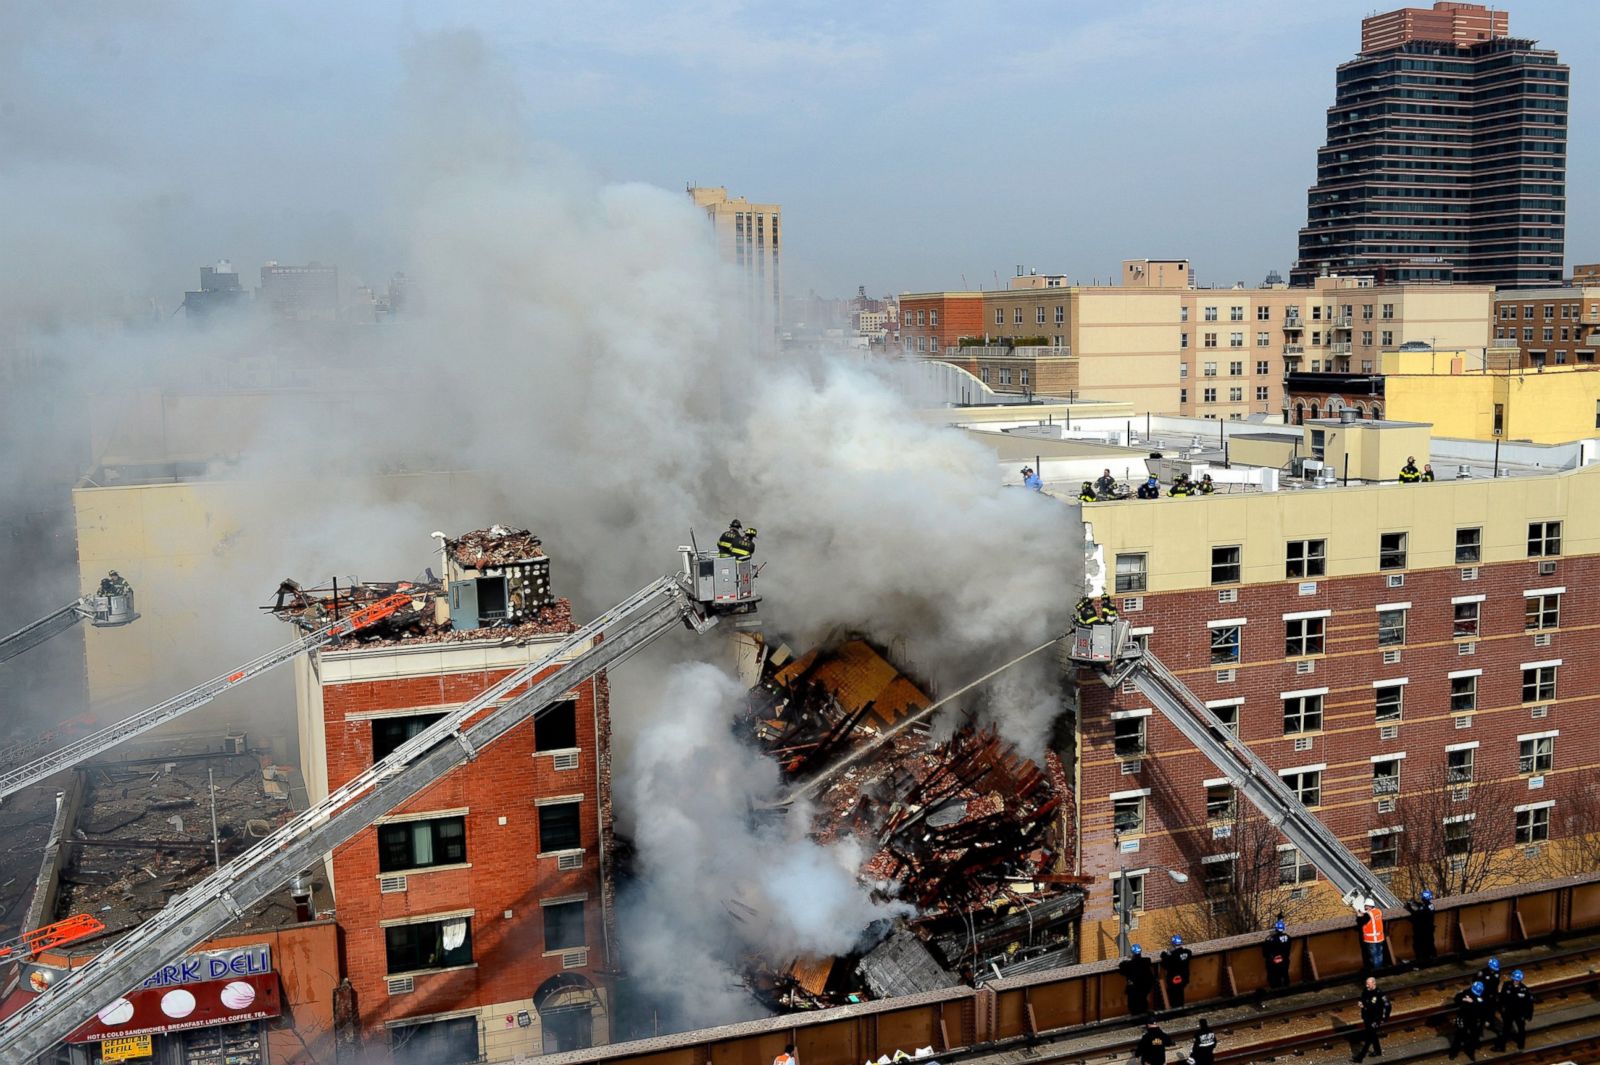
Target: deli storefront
{"points": [[209, 1008]]}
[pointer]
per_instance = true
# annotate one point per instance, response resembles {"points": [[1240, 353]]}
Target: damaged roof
{"points": [[498, 545], [903, 965]]}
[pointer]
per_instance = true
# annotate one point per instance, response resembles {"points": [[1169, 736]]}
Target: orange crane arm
{"points": [[52, 935]]}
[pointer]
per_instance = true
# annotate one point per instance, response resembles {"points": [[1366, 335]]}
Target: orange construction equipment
{"points": [[52, 935]]}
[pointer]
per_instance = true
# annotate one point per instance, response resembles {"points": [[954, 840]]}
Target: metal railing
{"points": [[1021, 351]]}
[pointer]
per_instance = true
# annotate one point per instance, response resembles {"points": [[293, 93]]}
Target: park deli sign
{"points": [[252, 960], [235, 985]]}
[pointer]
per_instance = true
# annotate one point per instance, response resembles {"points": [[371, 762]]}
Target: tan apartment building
{"points": [[748, 236], [1552, 326]]}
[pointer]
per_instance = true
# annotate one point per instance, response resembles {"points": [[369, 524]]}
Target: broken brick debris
{"points": [[497, 545]]}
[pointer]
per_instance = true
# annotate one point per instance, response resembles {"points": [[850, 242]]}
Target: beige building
{"points": [[747, 235]]}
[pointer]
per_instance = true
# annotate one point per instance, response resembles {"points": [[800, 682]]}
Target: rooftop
{"points": [[494, 546]]}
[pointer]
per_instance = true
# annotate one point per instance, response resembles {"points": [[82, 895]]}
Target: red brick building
{"points": [[477, 918], [1407, 657], [933, 321]]}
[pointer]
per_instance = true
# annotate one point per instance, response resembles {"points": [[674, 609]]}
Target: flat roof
{"points": [[1375, 423], [1017, 447]]}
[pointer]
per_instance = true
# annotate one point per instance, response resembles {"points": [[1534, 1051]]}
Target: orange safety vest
{"points": [[1372, 932]]}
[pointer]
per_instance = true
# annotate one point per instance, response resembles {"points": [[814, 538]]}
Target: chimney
{"points": [[1347, 415]]}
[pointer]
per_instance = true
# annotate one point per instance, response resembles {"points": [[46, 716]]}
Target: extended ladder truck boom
{"points": [[111, 608], [708, 588], [13, 779], [1108, 650]]}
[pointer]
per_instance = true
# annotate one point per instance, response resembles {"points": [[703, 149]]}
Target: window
{"points": [[1224, 644], [1305, 558], [1209, 369], [1228, 714], [1306, 785], [1005, 375], [999, 316], [1263, 367], [1263, 313], [1533, 825], [1183, 395], [1391, 628], [1211, 314], [1527, 310], [1366, 311], [1235, 395], [1183, 314], [1038, 316], [1217, 875], [1458, 765], [1538, 683], [560, 826], [1535, 754], [1366, 338], [440, 944], [1392, 550], [1210, 340], [1127, 736], [1235, 314], [1549, 311], [390, 732], [1303, 636], [564, 926], [1458, 836], [453, 1039], [1385, 849], [1209, 395], [1022, 378], [933, 317], [1389, 702], [1387, 338], [1544, 539], [1016, 315], [1131, 570], [1131, 890], [1235, 340], [1222, 802], [1386, 777], [1061, 314], [556, 729], [1262, 393], [1127, 813], [1236, 369], [1316, 313], [1542, 611], [1464, 693], [1293, 868], [1225, 564], [1388, 311], [422, 844], [1465, 623], [1469, 546], [1302, 713], [1183, 340]]}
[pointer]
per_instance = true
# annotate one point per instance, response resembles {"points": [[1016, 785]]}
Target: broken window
{"points": [[1128, 736], [1465, 623], [1225, 564], [1228, 715], [1303, 636], [1386, 777], [564, 925], [1130, 892], [1392, 551], [556, 727], [1390, 702], [440, 944], [421, 844], [1458, 836], [1221, 802], [1293, 867], [1385, 849], [1463, 694], [1306, 785], [1302, 713], [1533, 826], [1127, 814], [1458, 765], [1225, 644], [560, 826], [1218, 874], [1391, 628], [390, 732], [491, 598]]}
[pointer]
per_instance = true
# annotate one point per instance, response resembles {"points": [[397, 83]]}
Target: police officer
{"points": [[1140, 975], [1516, 1010], [1151, 489], [1152, 1049], [1489, 977], [1409, 474], [1276, 951], [1175, 970], [1086, 493], [1422, 916], [1468, 1030], [1375, 1009], [1204, 1051]]}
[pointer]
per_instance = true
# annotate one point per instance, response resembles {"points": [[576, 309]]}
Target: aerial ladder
{"points": [[110, 607], [16, 777], [1108, 650], [707, 589]]}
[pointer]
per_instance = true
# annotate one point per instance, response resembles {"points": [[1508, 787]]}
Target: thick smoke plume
{"points": [[582, 358]]}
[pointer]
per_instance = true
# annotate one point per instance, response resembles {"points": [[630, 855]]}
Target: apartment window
{"points": [[1291, 313], [1385, 853], [1263, 313], [1211, 314], [390, 732], [1527, 310], [1533, 824], [1527, 334], [1131, 572], [1316, 313], [1127, 814], [1293, 867], [999, 316], [1544, 538], [1306, 558], [1458, 765], [1210, 396], [1127, 736], [1038, 316], [1210, 340], [1061, 314], [933, 317], [1005, 375], [1183, 314], [1022, 378], [1464, 625], [1387, 338], [1263, 367], [1303, 636], [1541, 611], [1366, 338], [1217, 875], [556, 729], [1366, 311], [1464, 694], [1183, 340], [1391, 628], [1236, 368], [560, 826], [1549, 334], [1549, 312], [1306, 785], [1235, 314], [1538, 683], [1183, 395], [1386, 777], [422, 844], [1316, 340], [1458, 836], [1392, 550], [1262, 393], [1016, 315], [1222, 802], [1302, 713], [440, 944], [1469, 546], [564, 925], [1131, 891], [1224, 644], [983, 372], [1389, 702], [1388, 311], [452, 1039], [1228, 714], [922, 318], [1209, 369], [1225, 564], [1535, 754], [1235, 395], [923, 340]]}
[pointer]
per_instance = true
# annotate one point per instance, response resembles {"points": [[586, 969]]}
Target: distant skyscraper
{"points": [[307, 293], [1446, 156], [219, 290], [747, 235]]}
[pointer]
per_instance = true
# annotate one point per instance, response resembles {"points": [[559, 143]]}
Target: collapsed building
{"points": [[975, 837]]}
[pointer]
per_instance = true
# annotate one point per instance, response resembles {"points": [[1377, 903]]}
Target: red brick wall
{"points": [[1174, 771], [959, 316], [502, 782]]}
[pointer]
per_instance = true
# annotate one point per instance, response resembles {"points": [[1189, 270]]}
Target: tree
{"points": [[1246, 880], [1457, 836], [1574, 831]]}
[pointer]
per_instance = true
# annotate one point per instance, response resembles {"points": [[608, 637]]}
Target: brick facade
{"points": [[931, 322]]}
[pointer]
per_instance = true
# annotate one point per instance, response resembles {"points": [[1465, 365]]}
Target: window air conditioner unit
{"points": [[1547, 569]]}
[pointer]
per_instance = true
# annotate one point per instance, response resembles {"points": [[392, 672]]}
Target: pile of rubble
{"points": [[974, 836], [498, 545], [425, 620]]}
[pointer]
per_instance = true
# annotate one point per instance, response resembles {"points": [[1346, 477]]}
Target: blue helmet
{"points": [[1494, 965], [1427, 896], [1177, 941], [1477, 987], [1278, 926], [1136, 949], [1516, 974]]}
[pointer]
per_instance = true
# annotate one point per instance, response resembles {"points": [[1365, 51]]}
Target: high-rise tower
{"points": [[1446, 156]]}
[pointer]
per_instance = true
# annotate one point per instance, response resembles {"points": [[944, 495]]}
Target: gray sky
{"points": [[913, 146]]}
